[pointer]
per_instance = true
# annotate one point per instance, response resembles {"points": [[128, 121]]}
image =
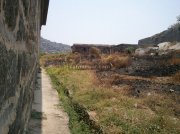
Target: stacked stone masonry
{"points": [[104, 49], [20, 24]]}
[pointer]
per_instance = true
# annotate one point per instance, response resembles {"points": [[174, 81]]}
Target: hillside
{"points": [[170, 35], [53, 47]]}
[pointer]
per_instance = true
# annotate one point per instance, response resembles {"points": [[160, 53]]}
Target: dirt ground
{"points": [[46, 103]]}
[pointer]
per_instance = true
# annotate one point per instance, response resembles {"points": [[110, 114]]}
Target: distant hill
{"points": [[53, 47], [170, 35]]}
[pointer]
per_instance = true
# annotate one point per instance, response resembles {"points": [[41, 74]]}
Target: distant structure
{"points": [[122, 48], [104, 49], [84, 48]]}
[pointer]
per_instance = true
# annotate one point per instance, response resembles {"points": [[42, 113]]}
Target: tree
{"points": [[178, 18]]}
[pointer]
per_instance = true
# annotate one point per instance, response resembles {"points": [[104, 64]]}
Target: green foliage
{"points": [[130, 50], [178, 18], [176, 25]]}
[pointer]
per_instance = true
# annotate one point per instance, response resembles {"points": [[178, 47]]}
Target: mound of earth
{"points": [[47, 46]]}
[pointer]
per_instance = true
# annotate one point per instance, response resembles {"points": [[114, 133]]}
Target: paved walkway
{"points": [[54, 119]]}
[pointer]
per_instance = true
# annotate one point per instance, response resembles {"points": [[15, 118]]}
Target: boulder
{"points": [[164, 46]]}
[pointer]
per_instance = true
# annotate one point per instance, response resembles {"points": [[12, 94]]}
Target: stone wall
{"points": [[20, 23], [85, 48], [104, 49], [123, 48]]}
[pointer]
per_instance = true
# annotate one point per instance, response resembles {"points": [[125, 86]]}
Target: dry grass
{"points": [[175, 61], [117, 61], [95, 53], [52, 57], [117, 112], [86, 62], [176, 77], [73, 58], [175, 58]]}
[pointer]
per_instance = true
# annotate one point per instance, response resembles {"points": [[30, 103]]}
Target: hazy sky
{"points": [[108, 21]]}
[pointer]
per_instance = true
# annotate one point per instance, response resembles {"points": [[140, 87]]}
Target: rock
{"points": [[164, 46], [175, 47], [146, 51], [135, 105], [140, 52], [171, 90], [170, 35], [149, 94]]}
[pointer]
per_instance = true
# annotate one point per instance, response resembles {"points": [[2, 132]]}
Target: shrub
{"points": [[73, 58], [176, 77], [175, 26], [117, 61], [130, 50], [94, 53], [52, 59], [178, 18], [175, 61]]}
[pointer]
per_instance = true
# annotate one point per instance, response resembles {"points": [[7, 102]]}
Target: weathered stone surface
{"points": [[21, 34], [18, 61], [26, 6], [11, 12], [0, 5], [105, 49], [85, 48]]}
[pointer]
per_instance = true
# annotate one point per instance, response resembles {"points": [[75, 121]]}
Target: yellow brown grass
{"points": [[117, 61], [73, 58], [175, 61], [116, 111], [176, 77]]}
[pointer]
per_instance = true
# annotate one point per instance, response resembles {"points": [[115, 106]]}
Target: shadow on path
{"points": [[47, 115]]}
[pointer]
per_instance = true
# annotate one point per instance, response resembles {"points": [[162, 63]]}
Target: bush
{"points": [[176, 77], [73, 58], [94, 53], [175, 26], [117, 61], [130, 50], [178, 18], [175, 61]]}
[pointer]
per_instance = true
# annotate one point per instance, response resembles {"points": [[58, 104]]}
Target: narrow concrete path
{"points": [[54, 119]]}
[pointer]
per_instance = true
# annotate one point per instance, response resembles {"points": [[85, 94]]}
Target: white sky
{"points": [[108, 21]]}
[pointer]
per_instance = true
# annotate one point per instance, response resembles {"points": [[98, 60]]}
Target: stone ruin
{"points": [[104, 49]]}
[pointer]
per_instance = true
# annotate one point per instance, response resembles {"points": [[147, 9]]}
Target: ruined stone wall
{"points": [[104, 49], [85, 48], [19, 42]]}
